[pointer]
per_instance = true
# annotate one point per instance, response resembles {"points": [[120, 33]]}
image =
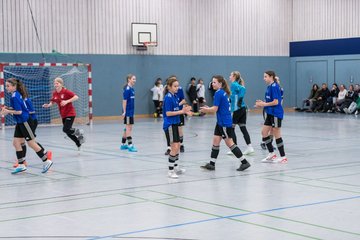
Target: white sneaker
{"points": [[179, 170], [357, 112], [172, 174], [271, 157], [249, 150], [46, 166], [346, 111], [230, 153]]}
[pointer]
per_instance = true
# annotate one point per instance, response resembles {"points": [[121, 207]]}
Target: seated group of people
{"points": [[338, 99]]}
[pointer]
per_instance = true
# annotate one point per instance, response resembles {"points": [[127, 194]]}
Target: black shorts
{"points": [[25, 130], [239, 116], [182, 120], [128, 120], [172, 133], [272, 121], [224, 132], [34, 125]]}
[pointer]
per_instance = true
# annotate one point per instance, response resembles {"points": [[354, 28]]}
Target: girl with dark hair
{"points": [[32, 115], [182, 102], [128, 113], [24, 126], [239, 109], [274, 114], [223, 128], [64, 99], [171, 123]]}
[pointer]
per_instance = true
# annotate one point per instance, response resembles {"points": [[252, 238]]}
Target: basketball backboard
{"points": [[143, 33]]}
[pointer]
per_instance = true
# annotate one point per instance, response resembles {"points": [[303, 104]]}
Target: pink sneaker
{"points": [[282, 160], [271, 157]]}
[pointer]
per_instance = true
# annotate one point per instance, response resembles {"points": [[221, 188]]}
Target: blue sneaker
{"points": [[20, 168], [132, 149], [124, 147], [46, 166]]}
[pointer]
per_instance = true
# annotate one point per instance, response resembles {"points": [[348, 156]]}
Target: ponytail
{"points": [[20, 87]]}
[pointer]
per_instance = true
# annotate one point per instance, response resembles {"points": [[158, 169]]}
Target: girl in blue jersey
{"points": [[33, 117], [239, 109], [128, 113], [24, 126], [172, 112], [182, 102], [274, 115], [223, 128]]}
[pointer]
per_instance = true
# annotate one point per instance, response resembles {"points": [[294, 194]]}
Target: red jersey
{"points": [[68, 110]]}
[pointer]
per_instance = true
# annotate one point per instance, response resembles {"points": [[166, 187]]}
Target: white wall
{"points": [[185, 27], [325, 19]]}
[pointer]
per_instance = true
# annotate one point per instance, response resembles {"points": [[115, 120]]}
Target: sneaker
{"points": [[16, 164], [172, 174], [167, 152], [249, 150], [124, 147], [132, 149], [281, 160], [346, 110], [79, 132], [20, 168], [357, 112], [209, 167], [49, 154], [243, 166], [46, 166], [182, 148], [230, 153], [81, 139], [271, 157], [179, 170], [263, 146]]}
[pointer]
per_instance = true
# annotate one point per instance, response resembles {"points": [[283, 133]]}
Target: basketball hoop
{"points": [[150, 44], [145, 46]]}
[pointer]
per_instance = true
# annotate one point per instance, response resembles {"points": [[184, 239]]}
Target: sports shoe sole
{"points": [[18, 171], [47, 168]]}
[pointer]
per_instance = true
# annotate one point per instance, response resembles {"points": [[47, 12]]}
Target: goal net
{"points": [[39, 81]]}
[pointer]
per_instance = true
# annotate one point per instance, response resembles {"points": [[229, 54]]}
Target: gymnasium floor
{"points": [[105, 193]]}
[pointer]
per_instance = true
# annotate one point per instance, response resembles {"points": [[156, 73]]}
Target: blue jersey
{"points": [[237, 91], [273, 92], [180, 96], [170, 104], [18, 104], [129, 96], [223, 114], [31, 109]]}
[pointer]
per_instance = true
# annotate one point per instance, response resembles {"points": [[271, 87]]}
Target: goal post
{"points": [[38, 79]]}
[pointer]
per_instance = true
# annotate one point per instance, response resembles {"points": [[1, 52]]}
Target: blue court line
{"points": [[225, 217]]}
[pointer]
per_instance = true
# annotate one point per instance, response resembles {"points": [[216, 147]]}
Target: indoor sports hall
{"points": [[82, 177]]}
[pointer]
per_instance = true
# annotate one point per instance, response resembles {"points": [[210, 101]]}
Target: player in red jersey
{"points": [[64, 98]]}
